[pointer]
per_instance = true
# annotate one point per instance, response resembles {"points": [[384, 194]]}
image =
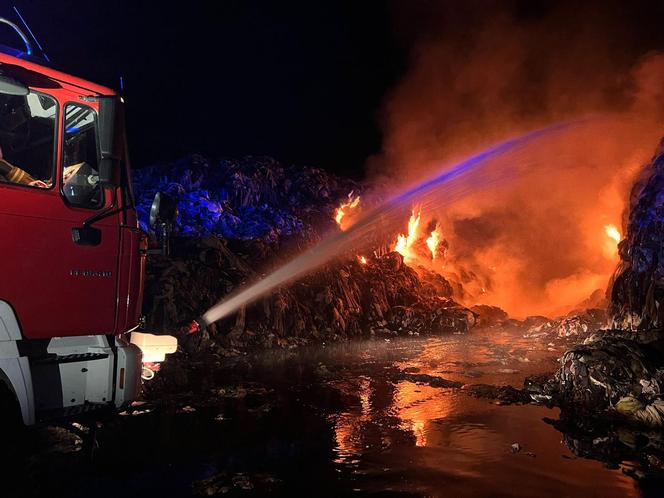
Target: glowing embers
{"points": [[614, 238], [344, 209], [404, 242]]}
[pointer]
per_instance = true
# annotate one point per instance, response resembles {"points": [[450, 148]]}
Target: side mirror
{"points": [[108, 121], [163, 213], [164, 209]]}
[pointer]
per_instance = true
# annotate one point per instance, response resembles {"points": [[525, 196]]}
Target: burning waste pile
{"points": [[620, 372], [610, 387], [239, 218]]}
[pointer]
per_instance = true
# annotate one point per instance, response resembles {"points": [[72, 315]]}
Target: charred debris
{"points": [[238, 219]]}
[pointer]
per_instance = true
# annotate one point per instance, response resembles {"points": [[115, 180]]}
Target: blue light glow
{"points": [[41, 49]]}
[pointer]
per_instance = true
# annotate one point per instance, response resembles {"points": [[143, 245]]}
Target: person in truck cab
{"points": [[27, 139], [14, 174]]}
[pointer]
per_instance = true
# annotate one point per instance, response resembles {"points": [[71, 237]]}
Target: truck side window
{"points": [[27, 139], [80, 156]]}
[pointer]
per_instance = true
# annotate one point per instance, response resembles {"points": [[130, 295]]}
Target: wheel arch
{"points": [[15, 371], [10, 330]]}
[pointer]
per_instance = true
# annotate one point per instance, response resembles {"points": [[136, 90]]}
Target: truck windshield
{"points": [[27, 139]]}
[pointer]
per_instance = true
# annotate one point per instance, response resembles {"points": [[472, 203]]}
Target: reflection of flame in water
{"points": [[365, 394], [388, 415], [347, 428], [419, 432], [344, 207], [414, 405], [417, 405]]}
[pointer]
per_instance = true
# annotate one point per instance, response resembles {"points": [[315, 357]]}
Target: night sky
{"points": [[301, 81]]}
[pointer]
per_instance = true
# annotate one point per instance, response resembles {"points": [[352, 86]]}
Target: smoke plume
{"points": [[481, 73]]}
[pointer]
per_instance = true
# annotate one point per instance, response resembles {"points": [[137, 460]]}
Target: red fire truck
{"points": [[71, 252]]}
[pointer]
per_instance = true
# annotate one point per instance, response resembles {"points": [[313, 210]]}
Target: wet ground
{"points": [[354, 419]]}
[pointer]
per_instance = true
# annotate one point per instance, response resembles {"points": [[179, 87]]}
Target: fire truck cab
{"points": [[71, 252]]}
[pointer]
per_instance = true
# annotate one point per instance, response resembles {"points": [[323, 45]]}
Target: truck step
{"points": [[69, 358]]}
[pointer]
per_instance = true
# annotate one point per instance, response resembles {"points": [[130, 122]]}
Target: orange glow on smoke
{"points": [[525, 246], [404, 242], [535, 244], [344, 209], [434, 240]]}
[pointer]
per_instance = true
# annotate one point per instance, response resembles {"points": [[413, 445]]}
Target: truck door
{"points": [[59, 286]]}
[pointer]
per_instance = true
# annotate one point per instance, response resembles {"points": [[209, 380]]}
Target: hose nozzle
{"points": [[196, 326]]}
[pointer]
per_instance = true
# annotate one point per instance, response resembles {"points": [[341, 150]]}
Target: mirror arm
{"points": [[86, 235], [104, 213]]}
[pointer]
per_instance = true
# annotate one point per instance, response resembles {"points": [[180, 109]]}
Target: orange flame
{"points": [[342, 210], [612, 232], [405, 242], [362, 260], [611, 244], [434, 240]]}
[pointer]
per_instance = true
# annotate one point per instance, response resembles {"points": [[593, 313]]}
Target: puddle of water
{"points": [[405, 436], [344, 419]]}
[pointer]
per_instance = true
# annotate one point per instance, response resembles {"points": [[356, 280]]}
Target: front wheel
{"points": [[16, 443], [11, 422]]}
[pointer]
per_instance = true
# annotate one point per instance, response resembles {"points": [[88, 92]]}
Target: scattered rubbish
{"points": [[638, 288]]}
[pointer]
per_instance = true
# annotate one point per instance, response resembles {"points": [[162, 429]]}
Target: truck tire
{"points": [[12, 429], [15, 443]]}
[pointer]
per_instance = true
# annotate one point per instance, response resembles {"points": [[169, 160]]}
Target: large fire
{"points": [[422, 248], [404, 243], [344, 209], [536, 243], [434, 241]]}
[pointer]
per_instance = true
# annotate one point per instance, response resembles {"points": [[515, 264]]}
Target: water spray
{"points": [[457, 186]]}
